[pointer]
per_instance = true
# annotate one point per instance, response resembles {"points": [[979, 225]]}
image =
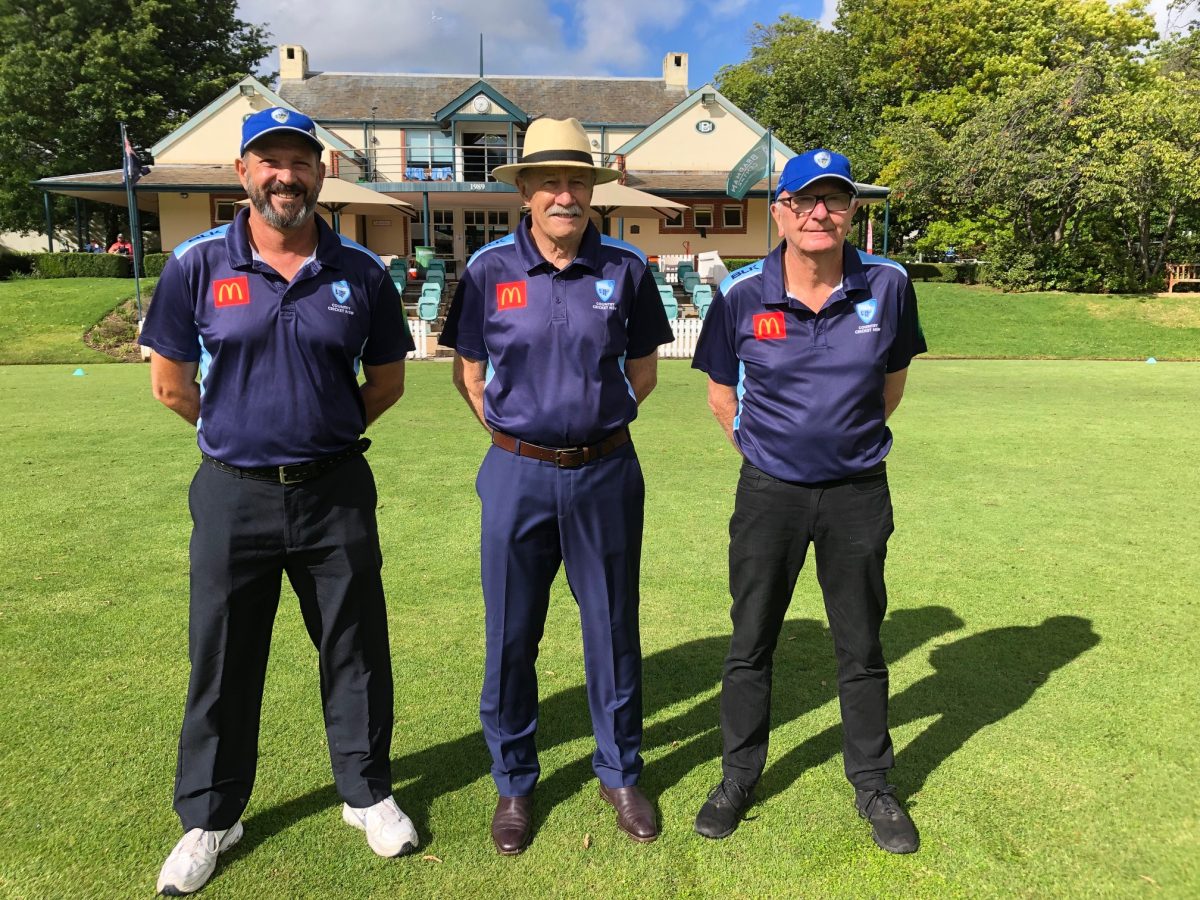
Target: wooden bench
{"points": [[1182, 273]]}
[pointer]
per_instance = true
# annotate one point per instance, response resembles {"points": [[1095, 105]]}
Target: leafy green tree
{"points": [[800, 81], [72, 70]]}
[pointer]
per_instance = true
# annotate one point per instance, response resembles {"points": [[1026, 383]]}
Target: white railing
{"points": [[687, 332], [668, 264], [420, 331]]}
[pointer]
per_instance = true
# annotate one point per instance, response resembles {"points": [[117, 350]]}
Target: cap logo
{"points": [[822, 159], [279, 115]]}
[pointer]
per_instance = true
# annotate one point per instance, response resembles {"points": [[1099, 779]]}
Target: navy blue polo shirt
{"points": [[810, 385], [278, 361], [555, 340]]}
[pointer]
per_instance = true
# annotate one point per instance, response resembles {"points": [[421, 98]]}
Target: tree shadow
{"points": [[670, 677], [978, 680]]}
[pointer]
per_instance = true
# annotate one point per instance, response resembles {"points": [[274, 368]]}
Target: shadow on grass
{"points": [[978, 680]]}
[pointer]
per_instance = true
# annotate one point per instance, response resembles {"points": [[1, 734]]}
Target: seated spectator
{"points": [[121, 246]]}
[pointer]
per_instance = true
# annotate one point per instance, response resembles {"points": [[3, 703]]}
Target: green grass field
{"points": [[1042, 635]]}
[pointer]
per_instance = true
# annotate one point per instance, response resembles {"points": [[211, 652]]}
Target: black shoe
{"points": [[721, 812], [891, 827]]}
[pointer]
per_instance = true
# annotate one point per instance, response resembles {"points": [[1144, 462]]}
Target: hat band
{"points": [[553, 156]]}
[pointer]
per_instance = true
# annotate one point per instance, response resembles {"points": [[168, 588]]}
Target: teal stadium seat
{"points": [[702, 298], [670, 304], [431, 299]]}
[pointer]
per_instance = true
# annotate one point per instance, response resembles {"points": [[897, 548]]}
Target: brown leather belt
{"points": [[563, 457]]}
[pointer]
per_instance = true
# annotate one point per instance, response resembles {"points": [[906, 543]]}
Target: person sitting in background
{"points": [[121, 246]]}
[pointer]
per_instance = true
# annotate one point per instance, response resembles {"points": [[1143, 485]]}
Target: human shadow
{"points": [[670, 677], [978, 680]]}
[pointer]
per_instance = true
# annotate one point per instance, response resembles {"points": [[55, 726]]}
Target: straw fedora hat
{"points": [[555, 143]]}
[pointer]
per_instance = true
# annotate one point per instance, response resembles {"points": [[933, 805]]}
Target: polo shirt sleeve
{"points": [[464, 323], [389, 339], [910, 339], [715, 352], [648, 325], [170, 327]]}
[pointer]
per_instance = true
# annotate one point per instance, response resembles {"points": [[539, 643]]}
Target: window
{"points": [[676, 222], [703, 216], [731, 216], [441, 232], [224, 209], [431, 152]]}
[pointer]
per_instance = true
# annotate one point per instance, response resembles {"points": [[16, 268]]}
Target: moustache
{"points": [[572, 210]]}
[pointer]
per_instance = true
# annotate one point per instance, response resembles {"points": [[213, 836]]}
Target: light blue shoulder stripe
{"points": [[871, 259], [750, 271], [621, 245], [199, 239], [354, 245], [499, 242]]}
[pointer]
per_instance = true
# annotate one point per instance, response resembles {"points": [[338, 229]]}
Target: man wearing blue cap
{"points": [[806, 353], [555, 330], [276, 313]]}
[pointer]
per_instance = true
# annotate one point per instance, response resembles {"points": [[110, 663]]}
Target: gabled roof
{"points": [[687, 103], [328, 138], [341, 96], [481, 87]]}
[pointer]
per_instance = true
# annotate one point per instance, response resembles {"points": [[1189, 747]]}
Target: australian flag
{"points": [[133, 165]]}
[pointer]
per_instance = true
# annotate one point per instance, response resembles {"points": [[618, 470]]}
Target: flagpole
{"points": [[770, 169], [134, 225]]}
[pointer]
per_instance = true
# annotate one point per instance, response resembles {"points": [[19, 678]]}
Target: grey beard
{"points": [[262, 203]]}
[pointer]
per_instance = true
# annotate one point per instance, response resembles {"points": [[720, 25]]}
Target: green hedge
{"points": [[945, 273], [80, 265], [733, 263], [152, 264], [12, 263]]}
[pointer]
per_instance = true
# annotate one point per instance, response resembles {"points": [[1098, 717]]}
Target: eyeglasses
{"points": [[806, 203]]}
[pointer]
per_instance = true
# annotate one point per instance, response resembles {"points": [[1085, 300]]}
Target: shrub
{"points": [[80, 265], [733, 263], [12, 263], [152, 264]]}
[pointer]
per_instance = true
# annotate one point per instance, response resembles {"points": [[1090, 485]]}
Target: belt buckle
{"points": [[576, 454], [293, 474]]}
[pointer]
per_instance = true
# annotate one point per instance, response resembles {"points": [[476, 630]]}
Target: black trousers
{"points": [[774, 522], [246, 535]]}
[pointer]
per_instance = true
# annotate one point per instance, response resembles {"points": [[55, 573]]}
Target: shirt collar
{"points": [[854, 277], [531, 258], [241, 255]]}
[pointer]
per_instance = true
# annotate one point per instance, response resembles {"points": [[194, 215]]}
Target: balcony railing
{"points": [[471, 163]]}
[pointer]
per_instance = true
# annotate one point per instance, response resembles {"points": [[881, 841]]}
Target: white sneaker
{"points": [[194, 859], [389, 831]]}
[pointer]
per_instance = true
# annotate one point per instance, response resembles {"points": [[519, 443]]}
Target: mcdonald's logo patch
{"points": [[231, 292], [510, 295], [769, 326]]}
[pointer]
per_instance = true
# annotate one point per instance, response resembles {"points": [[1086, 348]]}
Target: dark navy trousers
{"points": [[246, 535], [537, 517]]}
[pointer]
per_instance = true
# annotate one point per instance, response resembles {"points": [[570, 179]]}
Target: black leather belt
{"points": [[563, 457], [295, 473]]}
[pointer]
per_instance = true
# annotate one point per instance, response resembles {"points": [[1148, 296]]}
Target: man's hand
{"points": [[382, 386], [470, 377], [642, 374], [722, 400]]}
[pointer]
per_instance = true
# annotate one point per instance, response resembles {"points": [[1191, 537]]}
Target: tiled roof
{"points": [[329, 96], [657, 182], [161, 176]]}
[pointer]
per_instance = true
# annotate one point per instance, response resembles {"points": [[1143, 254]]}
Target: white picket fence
{"points": [[420, 331], [687, 332]]}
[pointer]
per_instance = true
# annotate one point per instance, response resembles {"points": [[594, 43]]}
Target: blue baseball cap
{"points": [[278, 120], [803, 170]]}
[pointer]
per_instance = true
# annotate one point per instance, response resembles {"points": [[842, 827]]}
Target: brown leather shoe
{"points": [[512, 824], [635, 815]]}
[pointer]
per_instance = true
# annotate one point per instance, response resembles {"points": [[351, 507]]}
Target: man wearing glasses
{"points": [[806, 353]]}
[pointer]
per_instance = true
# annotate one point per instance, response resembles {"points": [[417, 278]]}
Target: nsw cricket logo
{"points": [[605, 289], [341, 291], [866, 310]]}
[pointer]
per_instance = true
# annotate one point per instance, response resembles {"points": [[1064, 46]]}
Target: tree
{"points": [[72, 70], [800, 81]]}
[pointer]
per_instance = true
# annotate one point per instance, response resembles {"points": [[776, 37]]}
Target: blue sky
{"points": [[522, 37], [529, 37]]}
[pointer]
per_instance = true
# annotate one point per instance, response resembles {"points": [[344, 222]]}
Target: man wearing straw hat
{"points": [[555, 330]]}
